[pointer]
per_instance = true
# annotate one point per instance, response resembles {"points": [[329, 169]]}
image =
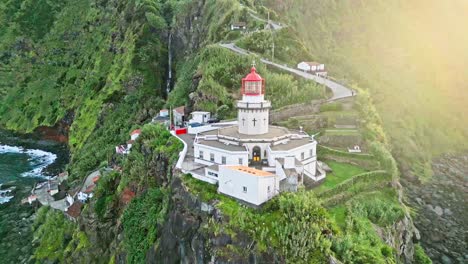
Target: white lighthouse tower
{"points": [[253, 109]]}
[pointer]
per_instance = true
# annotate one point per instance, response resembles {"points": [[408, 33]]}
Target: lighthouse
{"points": [[252, 160], [253, 109]]}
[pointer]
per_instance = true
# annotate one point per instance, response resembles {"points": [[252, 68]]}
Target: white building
{"points": [[200, 117], [238, 26], [287, 156], [163, 113], [312, 66], [248, 184], [179, 115], [135, 134]]}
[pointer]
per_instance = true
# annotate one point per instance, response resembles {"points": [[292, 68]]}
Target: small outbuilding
{"points": [[248, 184], [238, 26], [163, 113], [135, 134], [311, 66], [179, 115], [200, 117]]}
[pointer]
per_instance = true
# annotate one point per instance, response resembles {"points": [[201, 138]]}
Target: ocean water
{"points": [[20, 169]]}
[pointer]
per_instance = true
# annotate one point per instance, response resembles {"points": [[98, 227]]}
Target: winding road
{"points": [[339, 91]]}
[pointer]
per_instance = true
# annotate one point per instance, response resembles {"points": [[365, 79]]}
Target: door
{"points": [[256, 154]]}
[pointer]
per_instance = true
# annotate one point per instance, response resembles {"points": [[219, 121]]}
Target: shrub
{"points": [[420, 256], [140, 221], [331, 107]]}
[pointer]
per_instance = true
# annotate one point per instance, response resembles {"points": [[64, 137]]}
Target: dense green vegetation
{"points": [[221, 71], [296, 224], [415, 68], [288, 47], [147, 170], [292, 224], [140, 221], [86, 62], [101, 64], [58, 239]]}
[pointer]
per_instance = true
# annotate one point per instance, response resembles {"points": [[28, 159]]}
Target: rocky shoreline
{"points": [[16, 237], [441, 209]]}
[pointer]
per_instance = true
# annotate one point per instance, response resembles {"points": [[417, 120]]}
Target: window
{"points": [[253, 87], [241, 161], [200, 155], [212, 174], [268, 189], [244, 189], [223, 160], [212, 156], [302, 155], [311, 152]]}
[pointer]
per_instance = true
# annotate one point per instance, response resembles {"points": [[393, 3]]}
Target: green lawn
{"points": [[339, 214], [341, 132], [341, 172]]}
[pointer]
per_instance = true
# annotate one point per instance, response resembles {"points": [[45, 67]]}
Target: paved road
{"points": [[274, 25], [339, 91]]}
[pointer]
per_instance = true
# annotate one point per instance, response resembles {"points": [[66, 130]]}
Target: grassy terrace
{"points": [[281, 224], [341, 172]]}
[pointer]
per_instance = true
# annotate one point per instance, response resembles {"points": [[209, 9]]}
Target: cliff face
{"points": [[185, 237], [113, 82]]}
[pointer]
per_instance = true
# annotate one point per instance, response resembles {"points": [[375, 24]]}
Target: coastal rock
{"points": [[444, 195], [438, 210], [447, 211], [446, 260]]}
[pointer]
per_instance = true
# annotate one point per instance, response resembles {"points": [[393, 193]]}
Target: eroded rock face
{"points": [[185, 237], [441, 204]]}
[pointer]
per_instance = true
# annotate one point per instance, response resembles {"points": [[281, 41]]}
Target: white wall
{"points": [[245, 119], [232, 158], [200, 117], [303, 66], [200, 129], [182, 154], [134, 136], [262, 146], [272, 155], [231, 182]]}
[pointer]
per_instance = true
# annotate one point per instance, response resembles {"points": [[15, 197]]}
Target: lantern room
{"points": [[253, 84]]}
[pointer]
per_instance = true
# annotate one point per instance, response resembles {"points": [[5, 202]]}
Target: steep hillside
{"points": [[410, 54], [86, 64], [96, 69]]}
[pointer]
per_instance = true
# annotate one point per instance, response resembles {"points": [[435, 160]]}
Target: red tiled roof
{"points": [[127, 195], [136, 131], [180, 110], [90, 188], [253, 76], [95, 179], [75, 209]]}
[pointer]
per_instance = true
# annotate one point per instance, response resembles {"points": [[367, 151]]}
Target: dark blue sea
{"points": [[20, 169]]}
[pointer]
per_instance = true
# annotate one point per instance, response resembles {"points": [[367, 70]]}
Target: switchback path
{"points": [[274, 25], [339, 91]]}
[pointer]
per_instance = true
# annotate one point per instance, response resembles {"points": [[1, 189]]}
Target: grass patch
{"points": [[339, 214], [342, 132], [341, 172]]}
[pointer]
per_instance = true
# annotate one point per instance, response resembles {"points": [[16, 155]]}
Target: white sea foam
{"points": [[38, 159], [5, 195]]}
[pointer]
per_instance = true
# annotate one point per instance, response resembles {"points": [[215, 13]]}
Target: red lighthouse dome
{"points": [[253, 83]]}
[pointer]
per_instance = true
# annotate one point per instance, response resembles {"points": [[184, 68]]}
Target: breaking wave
{"points": [[5, 195], [38, 159]]}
